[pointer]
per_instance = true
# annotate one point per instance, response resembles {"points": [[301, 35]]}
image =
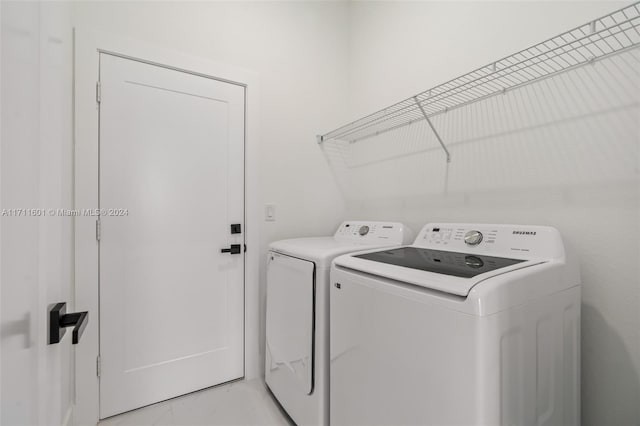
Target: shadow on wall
{"points": [[617, 379]]}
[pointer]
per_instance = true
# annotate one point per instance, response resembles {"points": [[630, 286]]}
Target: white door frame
{"points": [[88, 45]]}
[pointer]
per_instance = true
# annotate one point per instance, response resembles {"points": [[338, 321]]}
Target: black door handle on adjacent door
{"points": [[59, 319], [234, 249]]}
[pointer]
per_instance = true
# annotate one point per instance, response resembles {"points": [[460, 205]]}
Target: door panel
{"points": [[172, 305], [290, 323]]}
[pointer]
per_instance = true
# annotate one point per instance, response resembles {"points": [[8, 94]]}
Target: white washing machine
{"points": [[471, 325], [297, 351]]}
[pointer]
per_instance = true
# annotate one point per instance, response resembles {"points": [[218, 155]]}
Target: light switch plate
{"points": [[270, 212]]}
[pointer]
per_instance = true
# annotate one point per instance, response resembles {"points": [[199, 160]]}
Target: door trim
{"points": [[88, 45]]}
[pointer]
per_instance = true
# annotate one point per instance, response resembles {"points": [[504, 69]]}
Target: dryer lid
{"points": [[320, 250]]}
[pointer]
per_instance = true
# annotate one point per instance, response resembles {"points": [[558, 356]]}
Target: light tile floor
{"points": [[237, 403]]}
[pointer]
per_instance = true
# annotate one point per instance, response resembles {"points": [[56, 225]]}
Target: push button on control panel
{"points": [[439, 236]]}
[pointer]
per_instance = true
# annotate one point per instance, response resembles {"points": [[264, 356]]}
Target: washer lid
{"points": [[462, 265], [446, 271]]}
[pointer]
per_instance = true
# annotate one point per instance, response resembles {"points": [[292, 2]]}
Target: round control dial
{"points": [[364, 230], [473, 262], [473, 238]]}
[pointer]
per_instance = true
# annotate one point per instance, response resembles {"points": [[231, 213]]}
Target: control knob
{"points": [[473, 238], [473, 262], [364, 230]]}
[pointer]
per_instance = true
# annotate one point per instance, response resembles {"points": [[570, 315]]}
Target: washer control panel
{"points": [[373, 232], [506, 240]]}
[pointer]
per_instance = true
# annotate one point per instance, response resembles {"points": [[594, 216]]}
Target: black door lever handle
{"points": [[234, 249], [59, 320]]}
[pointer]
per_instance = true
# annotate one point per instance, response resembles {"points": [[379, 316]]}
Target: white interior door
{"points": [[36, 386], [171, 304]]}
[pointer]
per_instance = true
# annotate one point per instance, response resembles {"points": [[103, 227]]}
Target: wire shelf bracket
{"points": [[435, 132], [603, 37]]}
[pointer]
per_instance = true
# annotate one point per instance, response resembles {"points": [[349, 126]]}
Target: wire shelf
{"points": [[593, 41]]}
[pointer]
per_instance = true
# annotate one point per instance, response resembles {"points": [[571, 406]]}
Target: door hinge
{"points": [[98, 92], [98, 229], [98, 366]]}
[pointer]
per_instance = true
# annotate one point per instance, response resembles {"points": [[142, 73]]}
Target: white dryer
{"points": [[297, 323], [471, 325]]}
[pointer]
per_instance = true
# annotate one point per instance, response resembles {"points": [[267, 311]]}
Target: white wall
{"points": [[36, 258], [299, 51], [562, 153]]}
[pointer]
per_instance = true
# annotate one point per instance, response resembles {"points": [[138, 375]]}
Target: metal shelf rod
{"points": [[479, 99]]}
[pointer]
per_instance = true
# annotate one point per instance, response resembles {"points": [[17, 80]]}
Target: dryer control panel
{"points": [[373, 232], [521, 241]]}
